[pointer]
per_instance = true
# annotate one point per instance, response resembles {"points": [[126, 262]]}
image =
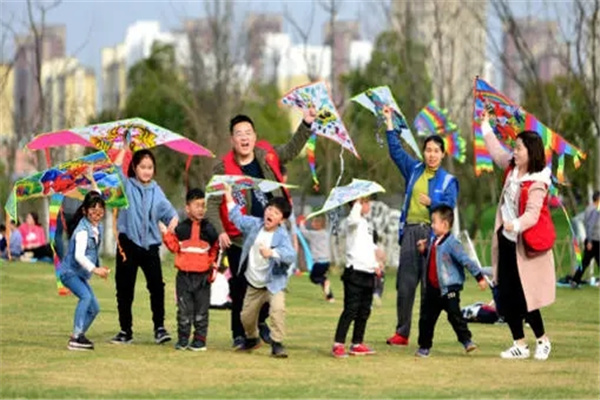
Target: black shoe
{"points": [[80, 343], [122, 338], [238, 343], [251, 344], [161, 336], [264, 332], [198, 344], [278, 351], [182, 343]]}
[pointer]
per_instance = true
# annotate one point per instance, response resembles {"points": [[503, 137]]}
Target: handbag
{"points": [[541, 237]]}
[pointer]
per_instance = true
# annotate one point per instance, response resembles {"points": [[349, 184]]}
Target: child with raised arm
{"points": [[359, 281], [195, 244], [445, 276], [320, 248], [139, 242], [269, 251], [82, 260]]}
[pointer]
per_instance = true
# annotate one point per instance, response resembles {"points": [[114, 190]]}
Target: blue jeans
{"points": [[87, 307]]}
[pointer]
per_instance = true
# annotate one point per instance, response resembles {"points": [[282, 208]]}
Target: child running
{"points": [[82, 260], [195, 244], [320, 248], [270, 253], [446, 260], [359, 281], [139, 241]]}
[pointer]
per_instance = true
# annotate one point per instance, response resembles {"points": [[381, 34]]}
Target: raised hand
{"points": [[310, 114]]}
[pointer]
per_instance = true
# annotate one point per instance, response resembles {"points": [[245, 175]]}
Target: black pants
{"points": [[237, 292], [588, 255], [125, 278], [512, 304], [318, 273], [358, 296], [43, 251], [193, 302], [431, 307]]}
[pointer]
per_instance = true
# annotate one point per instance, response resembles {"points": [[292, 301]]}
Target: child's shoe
{"points": [[251, 344], [361, 349], [516, 351], [122, 338], [161, 336], [542, 349], [198, 344], [469, 346], [278, 351], [80, 343], [422, 352], [182, 343], [238, 343], [397, 340], [339, 350]]}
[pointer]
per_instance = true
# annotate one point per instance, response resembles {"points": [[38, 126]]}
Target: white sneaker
{"points": [[516, 351], [542, 349]]}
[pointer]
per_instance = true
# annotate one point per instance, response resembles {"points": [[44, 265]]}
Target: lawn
{"points": [[35, 363]]}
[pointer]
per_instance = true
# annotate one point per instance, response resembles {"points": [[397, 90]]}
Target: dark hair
{"points": [[90, 200], [596, 196], [283, 169], [436, 139], [282, 205], [238, 119], [194, 194], [535, 149], [36, 218], [137, 158], [2, 227], [446, 213]]}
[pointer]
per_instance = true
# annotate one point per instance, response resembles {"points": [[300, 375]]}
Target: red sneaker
{"points": [[397, 340], [361, 350], [339, 351]]}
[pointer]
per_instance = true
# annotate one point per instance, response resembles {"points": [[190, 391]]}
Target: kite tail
{"points": [[311, 149], [116, 234], [54, 210]]}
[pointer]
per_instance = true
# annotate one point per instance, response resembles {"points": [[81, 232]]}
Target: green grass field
{"points": [[34, 361]]}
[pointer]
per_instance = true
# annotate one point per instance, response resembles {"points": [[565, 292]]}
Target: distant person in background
{"points": [[16, 241], [591, 221], [34, 238], [320, 248]]}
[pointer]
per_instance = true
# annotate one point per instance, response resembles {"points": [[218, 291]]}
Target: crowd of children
{"points": [[249, 226]]}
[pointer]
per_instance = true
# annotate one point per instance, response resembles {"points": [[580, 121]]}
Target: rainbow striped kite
{"points": [[433, 120], [507, 120]]}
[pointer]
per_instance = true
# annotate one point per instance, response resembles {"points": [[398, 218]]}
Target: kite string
{"points": [[337, 183]]}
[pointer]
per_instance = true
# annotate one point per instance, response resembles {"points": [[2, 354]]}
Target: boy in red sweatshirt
{"points": [[195, 244]]}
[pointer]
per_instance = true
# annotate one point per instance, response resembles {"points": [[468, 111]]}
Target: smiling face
{"points": [[433, 154], [195, 209], [521, 154], [273, 217], [144, 171], [95, 213], [243, 140]]}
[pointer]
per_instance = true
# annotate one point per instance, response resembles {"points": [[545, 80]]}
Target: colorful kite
{"points": [[69, 179], [311, 148], [375, 99], [328, 122], [507, 120], [432, 120], [217, 183], [344, 194]]}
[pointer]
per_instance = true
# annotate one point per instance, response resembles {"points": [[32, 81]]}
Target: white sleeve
{"points": [[486, 128], [354, 216], [230, 205], [80, 245]]}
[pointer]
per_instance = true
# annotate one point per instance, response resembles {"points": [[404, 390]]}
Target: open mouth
{"points": [[268, 221]]}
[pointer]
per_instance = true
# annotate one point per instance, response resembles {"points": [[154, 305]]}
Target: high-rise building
{"points": [[114, 77], [454, 37], [340, 37], [541, 40], [26, 94], [257, 26]]}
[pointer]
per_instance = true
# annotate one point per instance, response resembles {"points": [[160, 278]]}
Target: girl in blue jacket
{"points": [[80, 263], [139, 241], [428, 186]]}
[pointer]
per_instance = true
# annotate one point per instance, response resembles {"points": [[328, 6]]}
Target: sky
{"points": [[92, 25]]}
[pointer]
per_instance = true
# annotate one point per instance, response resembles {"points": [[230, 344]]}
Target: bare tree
{"points": [[313, 66]]}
